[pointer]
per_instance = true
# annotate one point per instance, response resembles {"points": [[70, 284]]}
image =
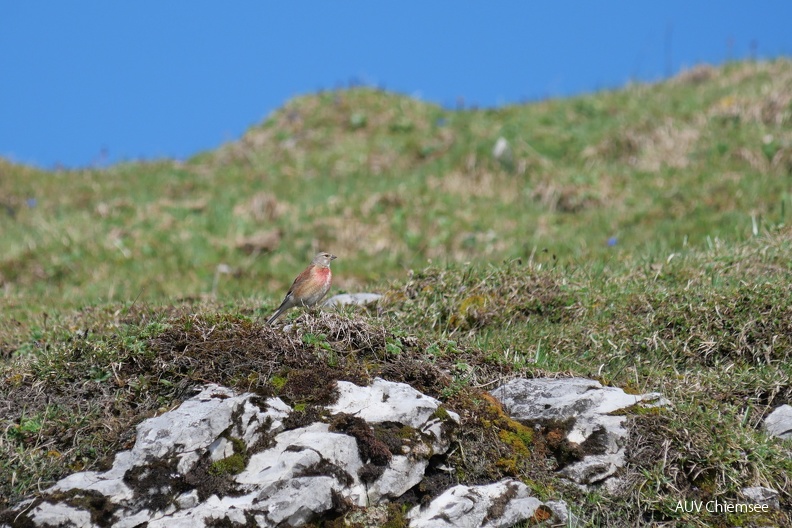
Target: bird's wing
{"points": [[302, 277]]}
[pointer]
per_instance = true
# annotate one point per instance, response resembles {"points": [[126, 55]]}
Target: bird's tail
{"points": [[275, 316]]}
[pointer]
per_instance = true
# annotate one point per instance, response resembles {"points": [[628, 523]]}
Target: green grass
{"points": [[638, 236]]}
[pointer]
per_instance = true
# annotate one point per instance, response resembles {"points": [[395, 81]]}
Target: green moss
{"points": [[278, 382], [228, 466], [234, 464], [643, 410], [518, 444], [239, 445], [471, 309], [441, 413], [509, 465], [629, 388], [407, 432], [397, 516], [769, 518], [519, 440]]}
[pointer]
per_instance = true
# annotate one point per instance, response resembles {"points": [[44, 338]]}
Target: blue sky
{"points": [[94, 82]]}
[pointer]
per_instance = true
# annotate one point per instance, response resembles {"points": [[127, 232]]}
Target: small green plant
{"points": [[316, 340], [27, 429], [393, 347]]}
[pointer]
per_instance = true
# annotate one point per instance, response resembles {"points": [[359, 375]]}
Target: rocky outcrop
{"points": [[590, 416], [237, 459], [497, 505], [231, 458]]}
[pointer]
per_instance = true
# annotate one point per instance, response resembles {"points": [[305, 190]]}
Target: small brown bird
{"points": [[309, 287]]}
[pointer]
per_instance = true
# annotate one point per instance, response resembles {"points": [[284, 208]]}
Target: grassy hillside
{"points": [[637, 236], [392, 182]]}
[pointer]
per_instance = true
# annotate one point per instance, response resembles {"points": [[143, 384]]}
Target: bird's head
{"points": [[323, 259]]}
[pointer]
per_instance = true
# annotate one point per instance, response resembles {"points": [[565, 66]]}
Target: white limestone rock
{"points": [[109, 483], [562, 514], [60, 515], [779, 422], [279, 470], [220, 449], [497, 505], [401, 474], [385, 401], [302, 472], [502, 151], [249, 424], [589, 406], [213, 509], [358, 299], [194, 425], [188, 500], [762, 495]]}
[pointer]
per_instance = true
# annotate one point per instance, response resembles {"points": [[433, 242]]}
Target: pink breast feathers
{"points": [[324, 275]]}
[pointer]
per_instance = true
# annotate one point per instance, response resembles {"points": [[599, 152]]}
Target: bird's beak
{"points": [[333, 257]]}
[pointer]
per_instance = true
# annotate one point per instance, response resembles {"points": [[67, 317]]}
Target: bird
{"points": [[309, 287]]}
